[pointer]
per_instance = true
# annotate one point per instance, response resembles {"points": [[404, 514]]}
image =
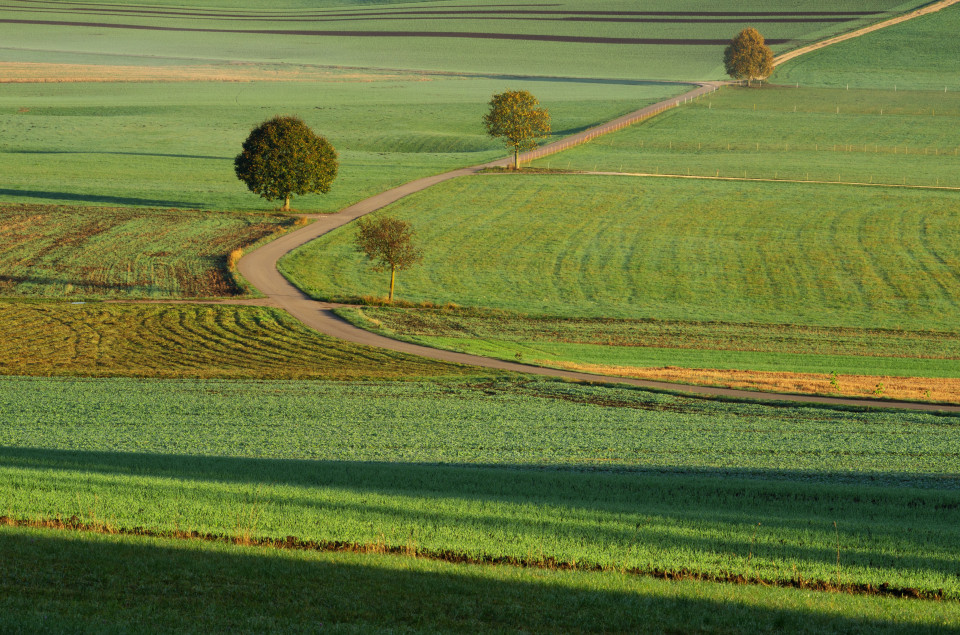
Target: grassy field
{"points": [[918, 54], [866, 136], [95, 252], [533, 471], [581, 246], [136, 583], [595, 41], [921, 365], [184, 340], [172, 144]]}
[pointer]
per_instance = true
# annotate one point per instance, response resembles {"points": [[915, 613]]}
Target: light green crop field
{"points": [[535, 472], [671, 249], [96, 252], [656, 343], [609, 39], [864, 136], [142, 584], [173, 144], [189, 340], [917, 54]]}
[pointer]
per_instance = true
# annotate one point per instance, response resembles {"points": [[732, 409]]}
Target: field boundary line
{"points": [[260, 269], [930, 8], [763, 180]]}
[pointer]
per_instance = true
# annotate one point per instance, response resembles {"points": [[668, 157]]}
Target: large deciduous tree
{"points": [[747, 57], [517, 117], [282, 157], [388, 242]]}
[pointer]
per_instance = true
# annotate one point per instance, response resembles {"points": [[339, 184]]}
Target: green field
{"points": [[189, 340], [581, 246], [918, 54], [657, 343], [865, 136], [95, 252], [524, 471], [695, 40], [68, 582], [172, 144]]}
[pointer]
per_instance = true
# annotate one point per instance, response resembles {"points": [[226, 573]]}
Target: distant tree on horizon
{"points": [[517, 117], [282, 157], [748, 57], [388, 242]]}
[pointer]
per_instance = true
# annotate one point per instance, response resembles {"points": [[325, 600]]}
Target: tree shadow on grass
{"points": [[100, 198], [131, 154], [57, 582], [610, 510]]}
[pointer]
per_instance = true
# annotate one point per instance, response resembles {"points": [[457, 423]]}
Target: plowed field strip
{"points": [[474, 18], [414, 34]]}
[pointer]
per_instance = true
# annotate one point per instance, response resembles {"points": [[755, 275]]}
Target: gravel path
{"points": [[259, 267]]}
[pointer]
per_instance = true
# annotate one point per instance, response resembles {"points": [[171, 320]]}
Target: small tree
{"points": [[282, 157], [388, 242], [516, 116], [747, 57]]}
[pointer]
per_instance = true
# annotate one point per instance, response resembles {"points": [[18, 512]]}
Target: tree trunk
{"points": [[393, 275], [286, 204], [516, 158]]}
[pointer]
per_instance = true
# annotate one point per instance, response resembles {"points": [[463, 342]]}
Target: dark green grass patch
{"points": [[95, 252], [862, 136], [531, 471], [63, 581], [200, 341], [586, 246]]}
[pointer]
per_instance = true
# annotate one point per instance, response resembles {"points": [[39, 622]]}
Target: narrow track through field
{"points": [[260, 269]]}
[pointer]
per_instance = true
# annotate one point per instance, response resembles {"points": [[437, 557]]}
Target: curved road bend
{"points": [[259, 267]]}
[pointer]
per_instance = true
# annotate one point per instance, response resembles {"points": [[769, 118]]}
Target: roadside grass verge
{"points": [[617, 247], [920, 365], [98, 144], [136, 583], [96, 252], [533, 472], [864, 136], [917, 54], [189, 340]]}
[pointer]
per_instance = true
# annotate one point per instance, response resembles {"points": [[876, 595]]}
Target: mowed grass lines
{"points": [[198, 341], [587, 246], [862, 136], [48, 250], [274, 589], [918, 54], [609, 38], [539, 472], [173, 144]]}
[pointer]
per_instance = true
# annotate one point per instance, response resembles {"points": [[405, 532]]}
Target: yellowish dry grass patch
{"points": [[913, 388]]}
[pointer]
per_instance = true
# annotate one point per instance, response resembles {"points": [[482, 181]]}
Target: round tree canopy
{"points": [[282, 157]]}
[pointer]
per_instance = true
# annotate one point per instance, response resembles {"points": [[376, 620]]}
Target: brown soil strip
{"points": [[911, 388], [578, 39], [455, 557], [29, 72], [435, 18], [931, 8]]}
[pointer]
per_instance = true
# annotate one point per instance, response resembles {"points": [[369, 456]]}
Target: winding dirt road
{"points": [[259, 267]]}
